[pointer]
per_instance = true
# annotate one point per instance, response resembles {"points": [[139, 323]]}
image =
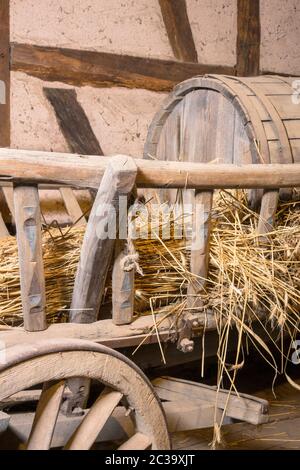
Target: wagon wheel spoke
{"points": [[88, 430], [138, 441], [45, 417]]}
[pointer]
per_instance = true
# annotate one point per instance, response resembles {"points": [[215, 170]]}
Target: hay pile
{"points": [[248, 281], [244, 278], [61, 254]]}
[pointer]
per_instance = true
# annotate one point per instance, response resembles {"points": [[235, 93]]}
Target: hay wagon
{"points": [[249, 130]]}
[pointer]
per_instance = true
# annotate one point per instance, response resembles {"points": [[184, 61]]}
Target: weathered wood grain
{"points": [[248, 38], [102, 69], [87, 171], [29, 229], [98, 244]]}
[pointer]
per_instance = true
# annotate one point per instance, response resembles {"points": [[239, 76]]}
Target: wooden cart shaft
{"points": [[32, 167]]}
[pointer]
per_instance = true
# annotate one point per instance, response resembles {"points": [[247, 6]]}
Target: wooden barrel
{"points": [[228, 120], [222, 119]]}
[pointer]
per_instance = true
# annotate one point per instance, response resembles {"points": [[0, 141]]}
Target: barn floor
{"points": [[281, 433]]}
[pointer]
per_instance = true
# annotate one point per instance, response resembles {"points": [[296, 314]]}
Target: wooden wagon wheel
{"points": [[52, 362]]}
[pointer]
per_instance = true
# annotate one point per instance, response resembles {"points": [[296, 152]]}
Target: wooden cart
{"points": [[65, 357]]}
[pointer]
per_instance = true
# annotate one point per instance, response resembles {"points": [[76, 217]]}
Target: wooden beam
{"points": [[174, 13], [28, 166], [29, 237], [181, 416], [4, 74], [102, 69], [248, 38], [200, 247], [243, 407], [73, 121], [98, 244]]}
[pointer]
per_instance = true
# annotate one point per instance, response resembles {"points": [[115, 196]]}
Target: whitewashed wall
{"points": [[120, 117]]}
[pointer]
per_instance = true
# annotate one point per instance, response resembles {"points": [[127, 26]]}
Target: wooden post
{"points": [[122, 287], [28, 225], [269, 203], [200, 253], [97, 248], [248, 38]]}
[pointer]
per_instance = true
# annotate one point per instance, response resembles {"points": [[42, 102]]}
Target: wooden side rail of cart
{"points": [[113, 177], [53, 354]]}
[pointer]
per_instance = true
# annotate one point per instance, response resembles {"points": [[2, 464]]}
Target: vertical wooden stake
{"points": [[200, 255], [122, 287], [97, 248], [28, 225]]}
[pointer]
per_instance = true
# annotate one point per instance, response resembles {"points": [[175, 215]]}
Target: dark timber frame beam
{"points": [[102, 69], [248, 38], [175, 16], [73, 121]]}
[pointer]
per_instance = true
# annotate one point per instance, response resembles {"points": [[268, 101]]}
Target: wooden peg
{"points": [[28, 225]]}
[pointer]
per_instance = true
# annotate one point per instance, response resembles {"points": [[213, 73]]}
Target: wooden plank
{"points": [[29, 237], [243, 407], [200, 247], [295, 144], [98, 244], [178, 28], [248, 37], [285, 106], [102, 69], [87, 171], [184, 415], [4, 74]]}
